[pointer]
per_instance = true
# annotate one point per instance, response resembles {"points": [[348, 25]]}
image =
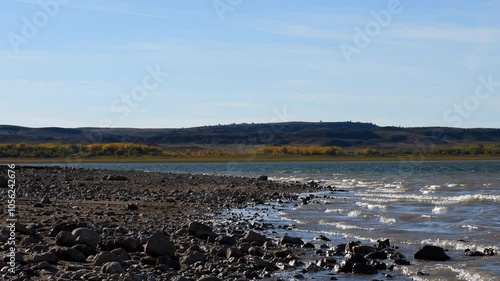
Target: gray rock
{"points": [[253, 236], [291, 240], [201, 231], [46, 257], [68, 254], [193, 258], [121, 253], [159, 245], [65, 238], [105, 257], [112, 268], [87, 236], [226, 240], [431, 253]]}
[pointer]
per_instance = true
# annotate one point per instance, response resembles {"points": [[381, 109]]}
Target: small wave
{"points": [[343, 226], [335, 210], [469, 227], [457, 245], [371, 206], [385, 220], [354, 213], [437, 200], [439, 210]]}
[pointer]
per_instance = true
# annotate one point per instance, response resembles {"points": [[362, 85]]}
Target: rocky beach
{"points": [[87, 224]]}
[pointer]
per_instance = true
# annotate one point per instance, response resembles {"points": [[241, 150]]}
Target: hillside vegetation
{"points": [[24, 150]]}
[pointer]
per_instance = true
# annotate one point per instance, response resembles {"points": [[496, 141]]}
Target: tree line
{"points": [[25, 150]]}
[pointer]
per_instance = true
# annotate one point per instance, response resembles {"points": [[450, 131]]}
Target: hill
{"points": [[349, 135]]}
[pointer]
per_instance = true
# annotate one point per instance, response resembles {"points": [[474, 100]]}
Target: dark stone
{"points": [[132, 207], [356, 258], [470, 253], [383, 244], [282, 254], [4, 182], [47, 257], [263, 178], [226, 240], [159, 245], [85, 250], [361, 268], [322, 238], [344, 267], [69, 227], [431, 253], [201, 231], [401, 262], [376, 256], [489, 252], [193, 258], [68, 254], [65, 238], [234, 253], [253, 236], [291, 240]]}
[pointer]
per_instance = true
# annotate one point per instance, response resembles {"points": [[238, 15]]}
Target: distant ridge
{"points": [[350, 135]]}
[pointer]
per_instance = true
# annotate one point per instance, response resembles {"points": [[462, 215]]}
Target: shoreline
{"points": [[250, 159], [122, 212]]}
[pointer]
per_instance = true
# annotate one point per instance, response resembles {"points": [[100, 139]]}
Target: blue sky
{"points": [[231, 61]]}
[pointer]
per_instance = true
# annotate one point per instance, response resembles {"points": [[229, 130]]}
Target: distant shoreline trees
{"points": [[25, 150]]}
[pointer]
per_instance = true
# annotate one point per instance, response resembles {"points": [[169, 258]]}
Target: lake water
{"points": [[450, 204]]}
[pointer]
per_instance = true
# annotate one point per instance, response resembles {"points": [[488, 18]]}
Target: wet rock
{"points": [[431, 253], [362, 249], [361, 268], [112, 268], [382, 244], [282, 254], [291, 240], [263, 178], [322, 238], [87, 236], [159, 245], [105, 257], [376, 255], [344, 267], [256, 251], [201, 231], [65, 238], [68, 254], [470, 253], [253, 236], [356, 258], [489, 252], [401, 262], [49, 257]]}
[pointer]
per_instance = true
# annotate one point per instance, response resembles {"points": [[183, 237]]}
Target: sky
{"points": [[172, 64]]}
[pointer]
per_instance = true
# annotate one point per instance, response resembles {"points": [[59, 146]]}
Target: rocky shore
{"points": [[76, 224]]}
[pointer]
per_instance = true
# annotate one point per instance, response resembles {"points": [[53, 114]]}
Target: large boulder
{"points": [[193, 258], [105, 257], [291, 240], [201, 231], [46, 257], [159, 245], [112, 268], [431, 253], [253, 236], [87, 236], [65, 238]]}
